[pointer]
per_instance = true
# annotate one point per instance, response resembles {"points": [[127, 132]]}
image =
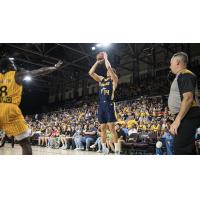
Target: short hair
{"points": [[181, 56]]}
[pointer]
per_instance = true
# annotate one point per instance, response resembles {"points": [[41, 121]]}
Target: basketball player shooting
{"points": [[12, 121], [106, 111]]}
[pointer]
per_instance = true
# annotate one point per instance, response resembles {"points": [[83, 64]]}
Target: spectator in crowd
{"points": [[54, 140], [41, 138], [47, 135], [98, 142], [69, 137], [122, 136], [77, 136], [63, 139], [110, 142], [89, 137], [133, 130]]}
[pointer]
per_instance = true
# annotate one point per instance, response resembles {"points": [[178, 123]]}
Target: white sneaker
{"points": [[105, 151], [79, 149], [99, 151], [92, 146]]}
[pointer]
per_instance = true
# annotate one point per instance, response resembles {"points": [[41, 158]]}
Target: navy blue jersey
{"points": [[106, 110], [106, 90]]}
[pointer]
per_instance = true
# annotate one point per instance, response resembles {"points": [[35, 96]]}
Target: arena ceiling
{"points": [[79, 57]]}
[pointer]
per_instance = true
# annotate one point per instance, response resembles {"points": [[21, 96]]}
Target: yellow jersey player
{"points": [[12, 121]]}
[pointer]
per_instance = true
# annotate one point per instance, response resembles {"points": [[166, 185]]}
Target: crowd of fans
{"points": [[78, 128], [146, 87]]}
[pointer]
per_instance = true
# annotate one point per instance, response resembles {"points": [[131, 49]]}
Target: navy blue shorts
{"points": [[107, 113]]}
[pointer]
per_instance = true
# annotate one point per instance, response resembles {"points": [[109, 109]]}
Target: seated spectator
{"points": [[63, 139], [141, 127], [155, 127], [41, 136], [110, 142], [54, 141], [148, 128], [76, 137], [133, 130], [125, 129], [34, 137], [89, 137], [167, 141], [69, 137], [131, 120], [121, 136], [47, 135], [98, 142]]}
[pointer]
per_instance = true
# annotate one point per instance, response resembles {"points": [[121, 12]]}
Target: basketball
{"points": [[100, 56]]}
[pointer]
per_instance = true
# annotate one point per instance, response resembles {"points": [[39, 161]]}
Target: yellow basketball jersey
{"points": [[10, 91]]}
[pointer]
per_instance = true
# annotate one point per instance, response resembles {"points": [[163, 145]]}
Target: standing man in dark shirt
{"points": [[184, 105]]}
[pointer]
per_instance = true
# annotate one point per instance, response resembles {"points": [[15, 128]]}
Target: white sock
{"points": [[117, 147]]}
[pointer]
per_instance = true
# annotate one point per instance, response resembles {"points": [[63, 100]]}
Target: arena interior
{"points": [[61, 107]]}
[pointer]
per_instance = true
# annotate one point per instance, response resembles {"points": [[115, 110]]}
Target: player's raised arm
{"points": [[38, 72], [93, 74], [110, 70]]}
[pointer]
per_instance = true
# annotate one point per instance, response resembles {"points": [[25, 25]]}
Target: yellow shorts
{"points": [[12, 121]]}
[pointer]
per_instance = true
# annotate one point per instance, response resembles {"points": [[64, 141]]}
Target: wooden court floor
{"points": [[8, 150]]}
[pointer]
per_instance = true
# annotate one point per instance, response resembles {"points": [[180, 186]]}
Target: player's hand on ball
{"points": [[105, 55]]}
